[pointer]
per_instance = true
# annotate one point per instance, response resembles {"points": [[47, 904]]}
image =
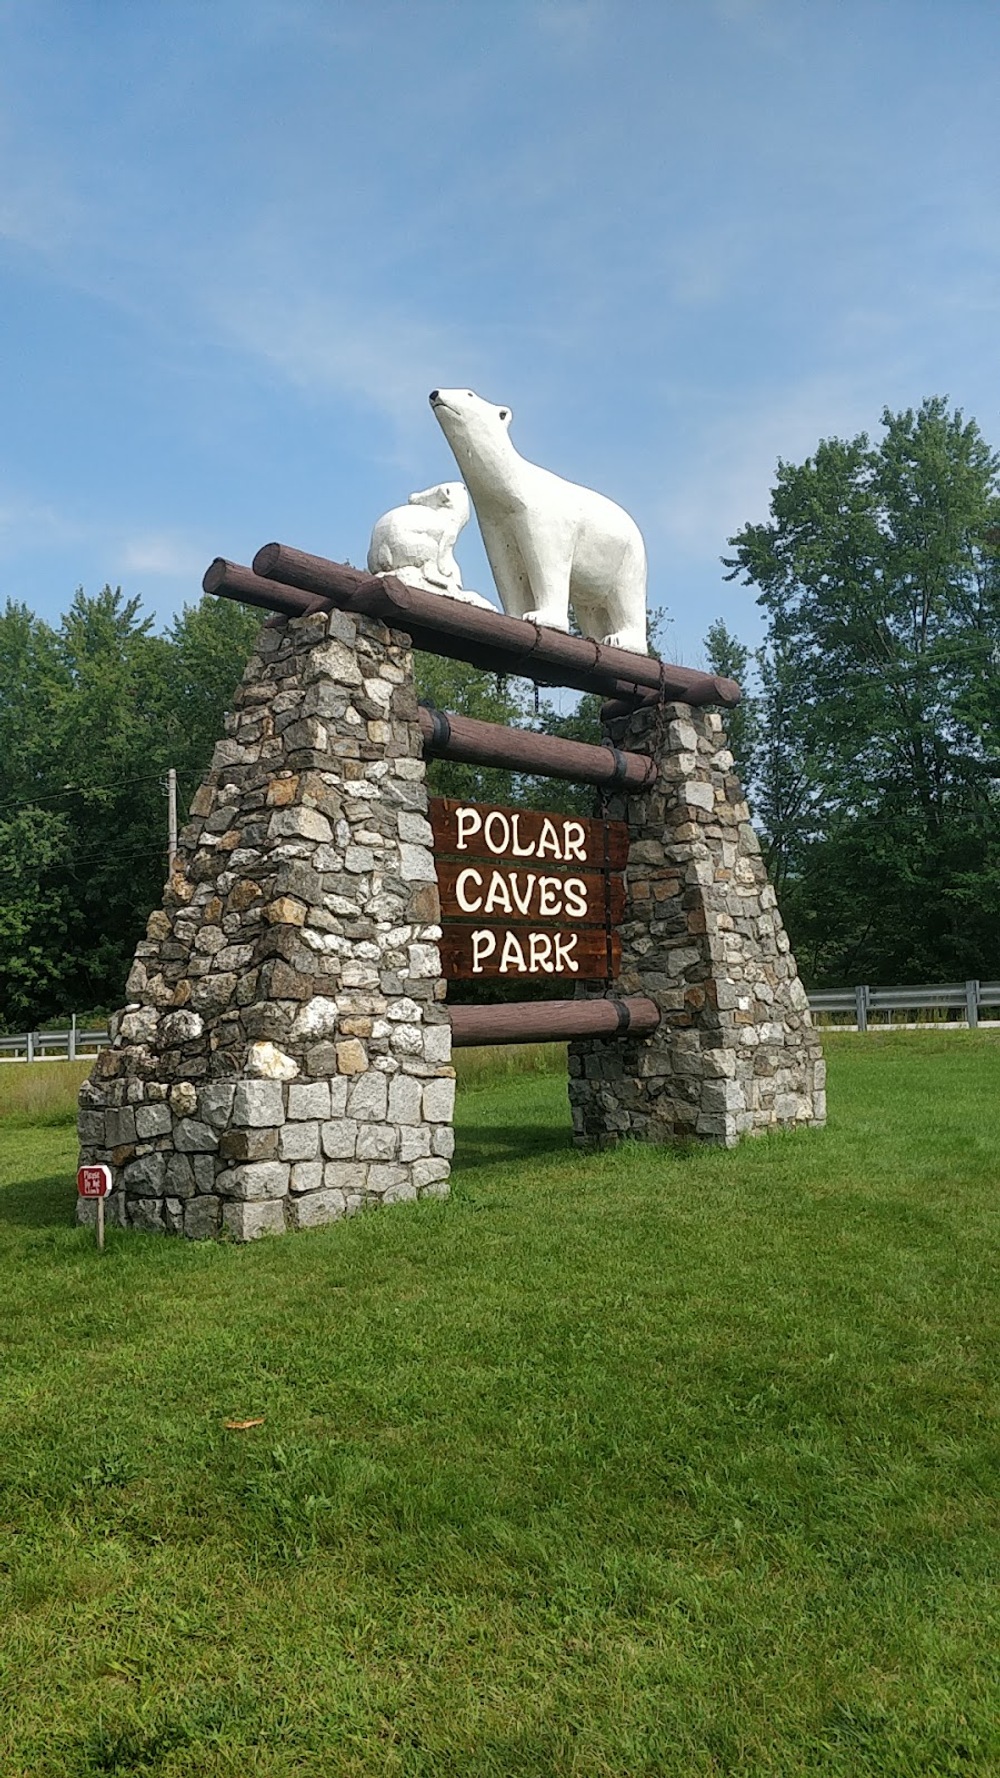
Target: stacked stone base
{"points": [[255, 1157], [285, 1056], [735, 1052]]}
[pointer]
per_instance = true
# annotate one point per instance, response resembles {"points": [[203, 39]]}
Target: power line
{"points": [[69, 866], [49, 796]]}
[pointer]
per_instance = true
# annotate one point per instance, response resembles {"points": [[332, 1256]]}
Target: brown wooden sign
{"points": [[525, 893]]}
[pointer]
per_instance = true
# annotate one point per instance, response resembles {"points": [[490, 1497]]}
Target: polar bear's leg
{"points": [[548, 570], [448, 568], [430, 572], [621, 622], [633, 640], [591, 614], [508, 570]]}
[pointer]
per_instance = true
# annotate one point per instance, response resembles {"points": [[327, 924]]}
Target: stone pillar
{"points": [[284, 1057], [735, 1051]]}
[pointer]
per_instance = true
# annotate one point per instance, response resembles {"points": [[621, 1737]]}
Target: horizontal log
{"points": [[627, 703], [552, 1021], [441, 625], [518, 835], [473, 952], [229, 581], [521, 750], [528, 894], [336, 581]]}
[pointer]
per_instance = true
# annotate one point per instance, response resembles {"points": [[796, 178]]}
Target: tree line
{"points": [[871, 740], [868, 738]]}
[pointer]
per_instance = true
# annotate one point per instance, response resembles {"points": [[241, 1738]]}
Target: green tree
{"points": [[35, 849], [732, 659], [878, 573], [108, 720], [91, 716], [210, 644], [467, 691], [34, 833]]}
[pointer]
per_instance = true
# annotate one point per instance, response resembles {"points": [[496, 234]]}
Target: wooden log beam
{"points": [[229, 581], [520, 750], [552, 1021], [629, 699], [488, 638]]}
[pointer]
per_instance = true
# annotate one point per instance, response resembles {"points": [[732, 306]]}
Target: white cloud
{"points": [[731, 463], [572, 24], [32, 528], [161, 553], [38, 208], [26, 522], [385, 358]]}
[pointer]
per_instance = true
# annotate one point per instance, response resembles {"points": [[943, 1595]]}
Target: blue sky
{"points": [[240, 240]]}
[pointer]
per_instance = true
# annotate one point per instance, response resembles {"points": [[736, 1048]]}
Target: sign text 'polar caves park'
{"points": [[524, 893]]}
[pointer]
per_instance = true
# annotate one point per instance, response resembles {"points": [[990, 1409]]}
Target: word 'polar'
{"points": [[533, 952], [501, 835], [551, 543]]}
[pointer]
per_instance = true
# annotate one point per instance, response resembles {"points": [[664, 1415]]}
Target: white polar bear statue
{"points": [[416, 542], [551, 544]]}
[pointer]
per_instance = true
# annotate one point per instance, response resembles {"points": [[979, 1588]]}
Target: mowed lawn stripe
{"points": [[636, 1463]]}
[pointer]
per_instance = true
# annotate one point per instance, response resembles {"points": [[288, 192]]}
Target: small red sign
{"points": [[93, 1182]]}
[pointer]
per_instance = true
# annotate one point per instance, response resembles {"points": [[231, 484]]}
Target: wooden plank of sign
{"points": [[476, 952], [528, 837], [487, 890]]}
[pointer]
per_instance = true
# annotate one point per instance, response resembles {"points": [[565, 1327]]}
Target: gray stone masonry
{"points": [[735, 1051], [285, 1055]]}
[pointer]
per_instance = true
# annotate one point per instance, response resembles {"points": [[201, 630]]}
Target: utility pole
{"points": [[171, 820]]}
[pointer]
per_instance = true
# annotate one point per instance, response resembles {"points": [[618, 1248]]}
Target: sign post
{"points": [[95, 1182]]}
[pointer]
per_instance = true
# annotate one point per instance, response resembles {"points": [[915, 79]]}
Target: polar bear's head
{"points": [[466, 419], [451, 496]]}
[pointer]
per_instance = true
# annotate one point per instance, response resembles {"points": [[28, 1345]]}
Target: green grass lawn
{"points": [[640, 1463]]}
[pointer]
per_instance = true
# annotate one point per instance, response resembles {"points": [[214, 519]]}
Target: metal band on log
{"points": [[552, 1021], [521, 750], [488, 639]]}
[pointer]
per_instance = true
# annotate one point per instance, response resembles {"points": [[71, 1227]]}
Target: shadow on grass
{"points": [[49, 1202], [39, 1203], [476, 1144]]}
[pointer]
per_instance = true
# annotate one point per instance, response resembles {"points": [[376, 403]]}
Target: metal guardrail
{"points": [[968, 999], [52, 1046]]}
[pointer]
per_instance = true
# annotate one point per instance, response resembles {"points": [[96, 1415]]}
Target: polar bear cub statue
{"points": [[551, 544], [416, 542]]}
